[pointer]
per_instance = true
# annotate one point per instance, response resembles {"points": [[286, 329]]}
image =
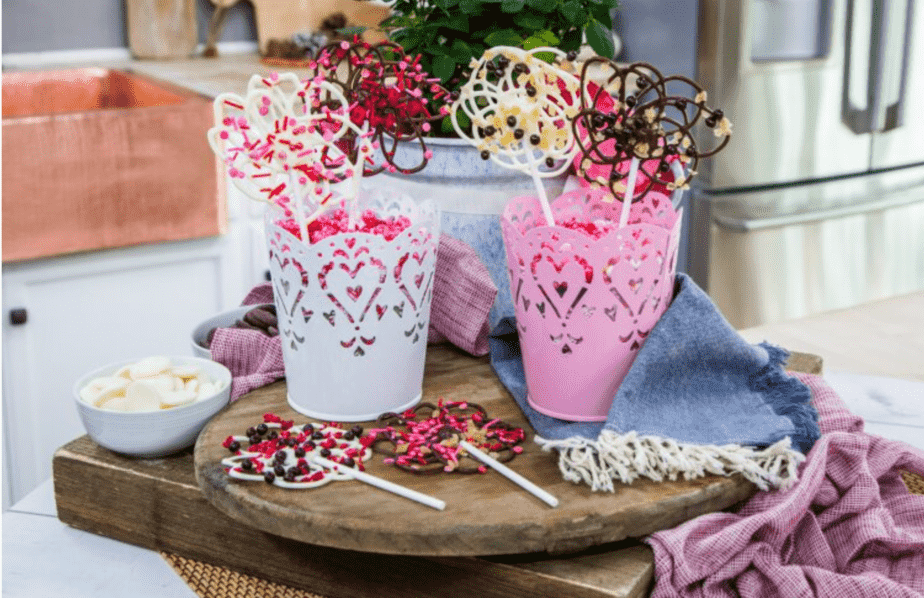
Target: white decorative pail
{"points": [[353, 312]]}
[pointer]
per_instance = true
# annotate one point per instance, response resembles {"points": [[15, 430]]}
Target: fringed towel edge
{"points": [[787, 396], [626, 457]]}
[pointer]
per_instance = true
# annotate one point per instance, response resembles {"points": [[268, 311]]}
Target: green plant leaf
{"points": [[470, 7], [457, 22], [512, 6], [504, 37], [542, 5], [460, 51], [574, 12], [600, 39], [446, 4], [549, 38], [444, 67], [529, 21], [602, 14], [534, 41]]}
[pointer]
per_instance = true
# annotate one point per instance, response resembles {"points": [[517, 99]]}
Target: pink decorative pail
{"points": [[584, 306]]}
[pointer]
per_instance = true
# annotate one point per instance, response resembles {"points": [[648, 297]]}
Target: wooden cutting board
{"points": [[485, 514], [162, 28]]}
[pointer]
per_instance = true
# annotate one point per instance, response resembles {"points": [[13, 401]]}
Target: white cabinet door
{"points": [[88, 310]]}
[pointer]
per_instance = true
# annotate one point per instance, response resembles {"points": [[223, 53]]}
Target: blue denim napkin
{"points": [[698, 399]]}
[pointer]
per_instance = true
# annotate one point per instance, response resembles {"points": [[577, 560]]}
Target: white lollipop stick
{"points": [[630, 193], [543, 199], [435, 503], [677, 195], [510, 474]]}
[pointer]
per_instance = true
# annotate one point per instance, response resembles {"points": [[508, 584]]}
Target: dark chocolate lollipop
{"points": [[653, 125]]}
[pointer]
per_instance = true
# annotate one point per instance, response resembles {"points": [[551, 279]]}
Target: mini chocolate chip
{"points": [[325, 452], [531, 91], [511, 121], [572, 55], [357, 429], [549, 162], [348, 435], [310, 446], [712, 121], [291, 441], [279, 470], [664, 166], [255, 439], [535, 139], [518, 134], [269, 476], [599, 121], [289, 477], [246, 465], [280, 455], [348, 461], [262, 428], [631, 101], [485, 154], [490, 131], [273, 435], [234, 446], [718, 114], [317, 436], [250, 432], [299, 452]]}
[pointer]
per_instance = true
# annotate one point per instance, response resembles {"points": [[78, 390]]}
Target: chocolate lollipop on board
{"points": [[653, 125], [519, 107]]}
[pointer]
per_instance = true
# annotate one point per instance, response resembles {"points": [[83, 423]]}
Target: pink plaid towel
{"points": [[849, 528], [463, 294]]}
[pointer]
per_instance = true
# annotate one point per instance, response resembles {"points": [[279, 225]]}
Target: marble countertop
{"points": [[873, 355]]}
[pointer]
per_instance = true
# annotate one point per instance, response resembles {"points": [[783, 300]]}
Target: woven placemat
{"points": [[211, 581]]}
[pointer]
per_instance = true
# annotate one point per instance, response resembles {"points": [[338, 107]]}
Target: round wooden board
{"points": [[485, 514]]}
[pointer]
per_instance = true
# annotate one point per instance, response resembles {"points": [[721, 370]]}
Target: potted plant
{"points": [[450, 35]]}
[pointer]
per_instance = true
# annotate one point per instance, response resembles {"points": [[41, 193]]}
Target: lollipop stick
{"points": [[543, 199], [510, 474], [677, 195], [381, 484], [630, 193]]}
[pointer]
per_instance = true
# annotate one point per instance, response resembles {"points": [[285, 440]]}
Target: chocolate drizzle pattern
{"points": [[653, 124], [424, 440], [390, 90]]}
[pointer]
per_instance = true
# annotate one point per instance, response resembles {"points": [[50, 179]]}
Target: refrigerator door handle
{"points": [[891, 107], [861, 53]]}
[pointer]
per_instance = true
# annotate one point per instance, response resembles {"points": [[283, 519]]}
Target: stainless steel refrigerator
{"points": [[818, 201]]}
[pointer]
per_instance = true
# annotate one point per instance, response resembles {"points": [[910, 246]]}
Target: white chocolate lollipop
{"points": [[520, 108]]}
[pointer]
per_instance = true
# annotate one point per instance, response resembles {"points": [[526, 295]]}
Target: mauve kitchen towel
{"points": [[463, 294], [698, 399], [849, 528]]}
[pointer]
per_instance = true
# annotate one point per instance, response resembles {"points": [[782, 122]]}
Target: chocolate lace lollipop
{"points": [[519, 107], [282, 143], [387, 89], [307, 456], [652, 125], [424, 440]]}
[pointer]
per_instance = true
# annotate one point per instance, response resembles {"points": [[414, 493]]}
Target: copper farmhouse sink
{"points": [[96, 158]]}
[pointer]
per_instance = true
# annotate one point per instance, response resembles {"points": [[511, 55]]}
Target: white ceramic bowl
{"points": [[153, 433], [224, 319]]}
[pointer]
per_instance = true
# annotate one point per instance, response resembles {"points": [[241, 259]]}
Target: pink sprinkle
{"points": [[223, 134], [345, 45], [274, 76], [266, 100], [426, 127], [517, 449], [428, 154], [264, 110]]}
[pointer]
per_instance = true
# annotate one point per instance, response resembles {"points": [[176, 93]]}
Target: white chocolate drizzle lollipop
{"points": [[520, 108]]}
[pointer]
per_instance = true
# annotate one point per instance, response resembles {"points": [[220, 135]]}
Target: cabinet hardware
{"points": [[19, 316]]}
